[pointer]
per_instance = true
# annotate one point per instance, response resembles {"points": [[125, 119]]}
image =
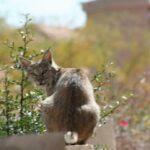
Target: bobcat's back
{"points": [[74, 105], [74, 87]]}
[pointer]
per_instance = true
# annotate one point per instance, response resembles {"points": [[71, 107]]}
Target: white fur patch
{"points": [[71, 137]]}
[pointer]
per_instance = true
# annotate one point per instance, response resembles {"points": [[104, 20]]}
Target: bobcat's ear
{"points": [[47, 56], [25, 62]]}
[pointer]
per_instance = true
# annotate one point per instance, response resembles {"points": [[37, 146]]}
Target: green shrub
{"points": [[19, 101]]}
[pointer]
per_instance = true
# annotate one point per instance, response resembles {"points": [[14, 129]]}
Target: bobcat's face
{"points": [[43, 72]]}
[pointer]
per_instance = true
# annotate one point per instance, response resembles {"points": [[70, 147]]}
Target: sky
{"points": [[64, 13]]}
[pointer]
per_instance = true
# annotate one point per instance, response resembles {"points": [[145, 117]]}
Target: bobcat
{"points": [[70, 107]]}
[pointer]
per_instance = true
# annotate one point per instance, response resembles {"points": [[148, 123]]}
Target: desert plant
{"points": [[19, 104]]}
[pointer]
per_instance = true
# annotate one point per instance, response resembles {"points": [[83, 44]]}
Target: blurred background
{"points": [[90, 34]]}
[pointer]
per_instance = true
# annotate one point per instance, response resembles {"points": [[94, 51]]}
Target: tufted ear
{"points": [[25, 63], [47, 56]]}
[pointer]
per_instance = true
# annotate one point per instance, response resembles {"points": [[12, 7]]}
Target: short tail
{"points": [[71, 137]]}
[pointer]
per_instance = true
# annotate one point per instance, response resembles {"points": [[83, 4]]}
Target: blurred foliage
{"points": [[131, 57]]}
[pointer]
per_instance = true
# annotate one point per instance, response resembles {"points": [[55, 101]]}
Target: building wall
{"points": [[97, 6]]}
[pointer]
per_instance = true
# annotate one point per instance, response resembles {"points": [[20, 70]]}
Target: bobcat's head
{"points": [[42, 72]]}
